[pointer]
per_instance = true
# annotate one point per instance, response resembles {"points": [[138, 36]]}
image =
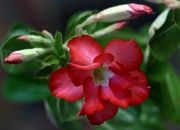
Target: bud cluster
{"points": [[42, 45]]}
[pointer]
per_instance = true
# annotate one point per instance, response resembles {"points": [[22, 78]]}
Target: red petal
{"points": [[106, 114], [139, 94], [90, 67], [83, 50], [61, 86], [117, 68], [92, 102], [105, 58], [140, 90], [121, 98], [78, 76], [126, 53], [119, 86], [118, 83], [139, 76]]}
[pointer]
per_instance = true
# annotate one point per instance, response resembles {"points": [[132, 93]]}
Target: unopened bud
{"points": [[172, 4], [47, 35], [25, 55], [35, 39], [118, 13], [109, 29]]}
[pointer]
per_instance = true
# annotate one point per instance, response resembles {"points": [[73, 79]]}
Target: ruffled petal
{"points": [[126, 53], [139, 93], [139, 76], [140, 90], [83, 50], [105, 58], [78, 76], [92, 103], [119, 83], [61, 86], [117, 68], [121, 98], [106, 114], [90, 67]]}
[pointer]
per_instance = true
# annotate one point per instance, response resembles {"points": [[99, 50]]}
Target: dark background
{"points": [[51, 15]]}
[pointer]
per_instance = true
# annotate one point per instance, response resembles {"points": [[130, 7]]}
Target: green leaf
{"points": [[48, 65], [170, 90], [63, 113], [166, 39], [58, 44], [11, 44], [23, 89], [177, 17]]}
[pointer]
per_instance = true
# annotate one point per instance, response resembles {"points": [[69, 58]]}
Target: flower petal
{"points": [[121, 98], [117, 68], [119, 86], [61, 86], [106, 114], [140, 90], [105, 58], [90, 67], [139, 76], [92, 102], [139, 94], [78, 76], [83, 50], [126, 53]]}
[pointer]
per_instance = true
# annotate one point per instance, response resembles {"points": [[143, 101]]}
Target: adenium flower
{"points": [[107, 78]]}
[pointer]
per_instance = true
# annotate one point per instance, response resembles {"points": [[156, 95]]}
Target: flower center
{"points": [[101, 76]]}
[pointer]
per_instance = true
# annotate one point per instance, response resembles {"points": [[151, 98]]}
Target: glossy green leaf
{"points": [[166, 39], [23, 89]]}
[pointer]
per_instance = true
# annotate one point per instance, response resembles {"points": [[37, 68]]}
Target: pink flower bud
{"points": [[21, 56], [23, 38], [118, 13], [109, 29], [14, 58], [119, 25], [34, 39], [172, 4], [138, 10]]}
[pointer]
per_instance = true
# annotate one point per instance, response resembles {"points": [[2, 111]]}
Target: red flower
{"points": [[107, 78]]}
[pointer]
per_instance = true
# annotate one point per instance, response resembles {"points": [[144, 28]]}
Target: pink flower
{"points": [[107, 78]]}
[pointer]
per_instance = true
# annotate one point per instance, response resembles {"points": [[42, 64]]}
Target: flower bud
{"points": [[35, 39], [119, 13], [172, 4], [109, 29], [21, 56]]}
